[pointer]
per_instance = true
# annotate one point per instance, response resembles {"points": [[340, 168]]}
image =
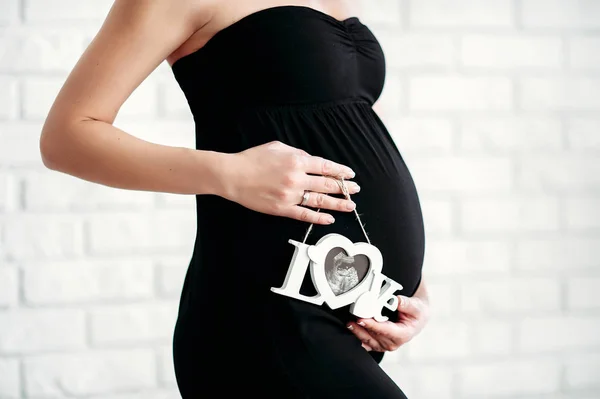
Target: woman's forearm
{"points": [[99, 152]]}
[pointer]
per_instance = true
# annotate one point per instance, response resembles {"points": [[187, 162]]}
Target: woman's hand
{"points": [[413, 314], [272, 177]]}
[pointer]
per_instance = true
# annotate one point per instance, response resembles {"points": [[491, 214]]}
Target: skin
{"points": [[78, 137], [413, 315]]}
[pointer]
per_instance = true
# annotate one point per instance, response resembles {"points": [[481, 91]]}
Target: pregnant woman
{"points": [[282, 98]]}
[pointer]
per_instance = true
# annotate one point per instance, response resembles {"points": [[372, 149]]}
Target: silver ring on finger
{"points": [[305, 197]]}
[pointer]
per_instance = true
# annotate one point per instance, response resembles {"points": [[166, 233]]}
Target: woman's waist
{"points": [[259, 244], [348, 132]]}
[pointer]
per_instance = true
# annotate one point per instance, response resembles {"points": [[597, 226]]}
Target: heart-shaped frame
{"points": [[318, 253]]}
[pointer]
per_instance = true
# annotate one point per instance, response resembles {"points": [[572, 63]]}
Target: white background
{"points": [[495, 105]]}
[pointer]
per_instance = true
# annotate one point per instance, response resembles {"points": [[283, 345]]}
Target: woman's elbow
{"points": [[52, 145], [48, 149]]}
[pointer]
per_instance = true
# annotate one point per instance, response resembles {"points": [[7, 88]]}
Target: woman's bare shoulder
{"points": [[134, 39], [340, 9]]}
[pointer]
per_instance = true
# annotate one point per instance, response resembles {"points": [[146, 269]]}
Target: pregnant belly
{"points": [[388, 203]]}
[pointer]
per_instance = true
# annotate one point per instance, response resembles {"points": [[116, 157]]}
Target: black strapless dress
{"points": [[300, 76]]}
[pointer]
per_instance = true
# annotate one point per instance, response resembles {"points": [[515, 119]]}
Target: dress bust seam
{"points": [[307, 105]]}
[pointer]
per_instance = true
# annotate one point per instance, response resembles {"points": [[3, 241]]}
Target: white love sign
{"points": [[336, 279]]}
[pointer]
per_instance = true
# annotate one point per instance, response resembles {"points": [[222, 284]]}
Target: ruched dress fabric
{"points": [[307, 79]]}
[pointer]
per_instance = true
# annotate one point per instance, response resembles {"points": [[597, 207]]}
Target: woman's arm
{"points": [[78, 136]]}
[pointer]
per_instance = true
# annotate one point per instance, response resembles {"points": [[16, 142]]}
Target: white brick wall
{"points": [[582, 54], [506, 377], [460, 93], [511, 51], [561, 14], [458, 14], [493, 104], [89, 373]]}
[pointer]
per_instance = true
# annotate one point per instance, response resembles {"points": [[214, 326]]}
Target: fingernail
{"points": [[357, 189], [350, 205], [330, 219], [352, 173], [350, 327], [361, 323]]}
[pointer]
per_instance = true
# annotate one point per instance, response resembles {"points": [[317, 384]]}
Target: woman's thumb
{"points": [[407, 305]]}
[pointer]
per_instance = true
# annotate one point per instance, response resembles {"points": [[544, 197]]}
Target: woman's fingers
{"points": [[386, 328], [274, 177], [367, 339], [388, 334], [324, 201], [378, 335], [411, 306], [307, 215], [320, 186], [321, 166], [323, 184]]}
